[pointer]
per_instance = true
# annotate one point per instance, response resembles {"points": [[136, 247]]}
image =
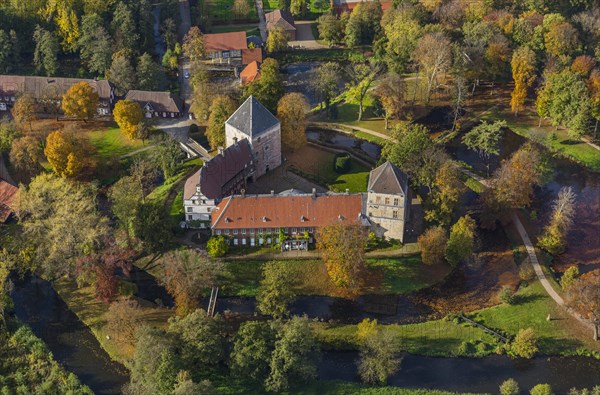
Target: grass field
{"points": [[111, 141], [317, 165], [443, 338], [251, 30], [161, 193], [387, 276], [222, 10]]}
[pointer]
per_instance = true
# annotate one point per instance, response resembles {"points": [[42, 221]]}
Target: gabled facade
{"points": [[281, 19], [225, 174], [225, 47], [388, 201], [48, 92], [157, 104], [254, 122]]}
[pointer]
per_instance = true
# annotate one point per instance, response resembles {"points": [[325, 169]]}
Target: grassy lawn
{"points": [[176, 212], [222, 10], [556, 140], [111, 141], [387, 276], [251, 30], [316, 55], [473, 184], [443, 338], [161, 193], [317, 165], [93, 314]]}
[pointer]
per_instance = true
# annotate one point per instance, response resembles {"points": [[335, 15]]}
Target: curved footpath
{"points": [[515, 218]]}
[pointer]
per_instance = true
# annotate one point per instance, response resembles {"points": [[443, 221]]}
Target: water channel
{"points": [[72, 343]]}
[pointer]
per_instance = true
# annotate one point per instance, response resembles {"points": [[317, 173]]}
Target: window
{"points": [[203, 201], [387, 200], [251, 231], [235, 231], [226, 232], [244, 231], [294, 231], [190, 217], [260, 231], [217, 232], [395, 214], [208, 209], [396, 201], [378, 199], [189, 209]]}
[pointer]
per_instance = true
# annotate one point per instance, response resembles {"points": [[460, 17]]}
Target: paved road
{"points": [[262, 24], [304, 36], [185, 18]]}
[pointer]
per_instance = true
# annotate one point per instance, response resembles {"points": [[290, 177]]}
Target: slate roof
{"points": [[160, 101], [252, 118], [225, 41], [49, 87], [388, 178], [218, 171], [275, 211], [281, 19], [8, 199]]}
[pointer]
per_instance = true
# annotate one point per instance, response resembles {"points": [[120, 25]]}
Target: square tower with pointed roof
{"points": [[388, 201], [254, 122]]}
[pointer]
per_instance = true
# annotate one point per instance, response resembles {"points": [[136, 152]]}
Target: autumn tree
{"points": [[8, 134], [509, 387], [445, 194], [24, 111], [434, 56], [277, 40], [295, 357], [594, 87], [202, 91], [277, 289], [361, 76], [220, 110], [268, 89], [123, 319], [241, 9], [523, 65], [554, 237], [524, 344], [391, 91], [364, 24], [193, 44], [326, 82], [298, 8], [433, 245], [122, 74], [561, 39], [128, 114], [583, 65], [26, 154], [125, 197], [80, 101], [186, 274], [68, 155], [378, 358], [62, 222], [485, 139], [584, 297], [342, 248], [565, 99], [461, 241], [291, 112], [541, 389], [402, 29]]}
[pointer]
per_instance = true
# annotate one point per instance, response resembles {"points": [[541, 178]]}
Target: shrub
{"points": [[342, 163], [510, 387], [366, 328], [466, 348], [569, 277], [541, 389], [507, 295], [217, 246], [525, 344]]}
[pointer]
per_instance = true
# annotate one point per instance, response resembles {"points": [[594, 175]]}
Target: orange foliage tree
{"points": [[80, 101], [68, 155], [523, 72], [584, 297]]}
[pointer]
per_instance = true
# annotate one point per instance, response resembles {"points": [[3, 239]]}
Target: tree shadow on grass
{"points": [[571, 142]]}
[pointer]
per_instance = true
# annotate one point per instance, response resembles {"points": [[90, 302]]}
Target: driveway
{"points": [[304, 36]]}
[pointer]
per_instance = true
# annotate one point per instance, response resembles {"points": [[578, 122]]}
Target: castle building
{"points": [[387, 205], [254, 122]]}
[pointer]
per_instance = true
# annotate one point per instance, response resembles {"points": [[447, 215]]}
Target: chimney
{"points": [[272, 192], [243, 192], [347, 191], [220, 150], [314, 193]]}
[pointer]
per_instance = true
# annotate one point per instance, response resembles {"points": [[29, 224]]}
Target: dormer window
{"points": [[264, 219], [227, 220], [302, 218], [341, 217]]}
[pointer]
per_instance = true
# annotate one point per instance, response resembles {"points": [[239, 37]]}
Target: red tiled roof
{"points": [[267, 211], [252, 55], [8, 199], [250, 73], [225, 41]]}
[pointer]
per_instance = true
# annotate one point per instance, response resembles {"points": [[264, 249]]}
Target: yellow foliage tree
{"points": [[342, 247], [68, 28], [68, 155], [128, 115], [291, 111], [523, 72], [80, 101]]}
